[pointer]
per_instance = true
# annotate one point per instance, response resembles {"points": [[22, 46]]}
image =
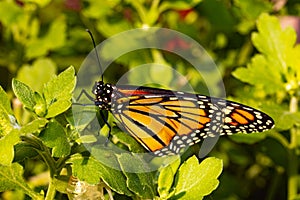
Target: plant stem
{"points": [[276, 180], [51, 191], [44, 152], [49, 162], [292, 175], [292, 156]]}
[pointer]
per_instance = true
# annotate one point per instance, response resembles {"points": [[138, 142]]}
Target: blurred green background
{"points": [[40, 38]]}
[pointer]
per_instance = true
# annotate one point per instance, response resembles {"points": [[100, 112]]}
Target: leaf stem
{"points": [[292, 156], [140, 10], [51, 191], [275, 183], [147, 15], [50, 162], [44, 152]]}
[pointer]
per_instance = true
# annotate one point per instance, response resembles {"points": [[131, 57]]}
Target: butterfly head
{"points": [[103, 94]]}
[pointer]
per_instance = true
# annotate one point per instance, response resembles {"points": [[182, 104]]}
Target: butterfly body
{"points": [[166, 121]]}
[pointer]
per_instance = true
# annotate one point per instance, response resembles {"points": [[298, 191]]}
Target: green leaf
{"points": [[160, 72], [5, 102], [114, 178], [37, 74], [81, 116], [24, 93], [7, 122], [55, 38], [162, 75], [24, 151], [252, 9], [248, 138], [294, 61], [61, 183], [56, 35], [166, 178], [278, 63], [130, 142], [139, 179], [93, 10], [54, 136], [7, 147], [284, 120], [178, 5], [34, 127], [194, 180], [58, 92], [14, 14], [87, 139], [276, 44], [11, 178], [110, 27], [260, 73], [215, 10], [40, 106]]}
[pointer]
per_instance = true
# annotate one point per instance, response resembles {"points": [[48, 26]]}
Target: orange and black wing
{"points": [[164, 121]]}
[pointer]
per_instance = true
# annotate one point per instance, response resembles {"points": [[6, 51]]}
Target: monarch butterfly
{"points": [[165, 121]]}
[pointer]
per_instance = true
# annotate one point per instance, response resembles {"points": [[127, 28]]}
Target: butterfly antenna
{"points": [[94, 44]]}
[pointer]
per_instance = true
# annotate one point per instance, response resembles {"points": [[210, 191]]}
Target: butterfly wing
{"points": [[164, 121]]}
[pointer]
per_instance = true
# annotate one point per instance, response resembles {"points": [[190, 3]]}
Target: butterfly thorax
{"points": [[103, 94]]}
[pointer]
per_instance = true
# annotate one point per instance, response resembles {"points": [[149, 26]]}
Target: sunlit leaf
{"points": [[11, 178], [7, 147], [194, 180], [58, 92], [54, 136], [55, 38], [91, 170], [37, 74], [24, 93], [139, 179], [166, 178]]}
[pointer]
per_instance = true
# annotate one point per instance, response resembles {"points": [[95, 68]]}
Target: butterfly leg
{"points": [[109, 127], [84, 92]]}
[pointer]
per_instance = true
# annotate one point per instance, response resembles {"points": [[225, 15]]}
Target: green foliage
{"points": [[275, 70], [275, 65], [58, 92], [131, 144], [7, 147], [141, 184], [166, 178], [5, 114], [24, 93], [192, 180], [43, 69], [55, 98], [39, 132], [54, 136], [5, 102], [55, 38], [11, 178], [115, 179], [250, 139]]}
